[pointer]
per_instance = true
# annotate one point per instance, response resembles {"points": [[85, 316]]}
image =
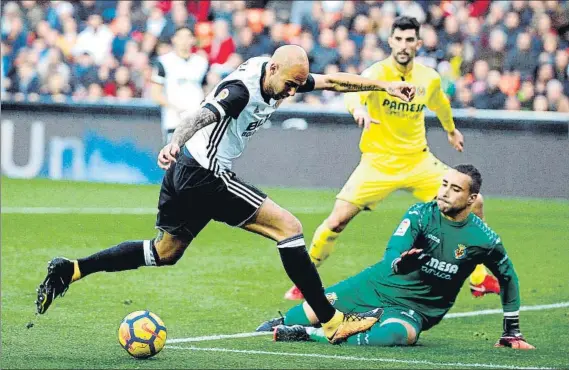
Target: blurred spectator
{"points": [[53, 63], [540, 104], [325, 52], [464, 99], [495, 55], [177, 81], [348, 55], [56, 88], [123, 28], [544, 74], [558, 102], [178, 17], [512, 103], [155, 22], [94, 92], [491, 97], [95, 39], [89, 43], [431, 53], [84, 72], [526, 95], [26, 80], [512, 29], [222, 45], [521, 59], [121, 79]]}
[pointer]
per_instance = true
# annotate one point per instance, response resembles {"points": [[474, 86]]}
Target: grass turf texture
{"points": [[229, 281]]}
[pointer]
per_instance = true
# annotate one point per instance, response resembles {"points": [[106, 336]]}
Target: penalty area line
{"points": [[354, 358], [448, 316]]}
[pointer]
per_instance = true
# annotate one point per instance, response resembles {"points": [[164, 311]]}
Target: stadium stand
{"points": [[491, 55]]}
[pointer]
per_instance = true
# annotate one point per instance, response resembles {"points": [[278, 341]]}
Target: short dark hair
{"points": [[406, 23], [475, 176], [183, 28]]}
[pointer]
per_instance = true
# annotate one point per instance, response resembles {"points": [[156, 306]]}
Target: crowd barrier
{"points": [[518, 153]]}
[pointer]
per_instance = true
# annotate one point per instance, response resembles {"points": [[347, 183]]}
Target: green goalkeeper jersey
{"points": [[455, 249]]}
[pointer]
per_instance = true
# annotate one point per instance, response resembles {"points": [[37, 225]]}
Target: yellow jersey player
{"points": [[394, 147]]}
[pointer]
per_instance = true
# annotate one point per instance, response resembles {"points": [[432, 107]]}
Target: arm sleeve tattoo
{"points": [[192, 124]]}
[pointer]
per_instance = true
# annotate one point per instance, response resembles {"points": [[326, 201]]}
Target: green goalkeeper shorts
{"points": [[354, 295]]}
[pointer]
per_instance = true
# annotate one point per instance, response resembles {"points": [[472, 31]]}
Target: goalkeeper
{"points": [[429, 256]]}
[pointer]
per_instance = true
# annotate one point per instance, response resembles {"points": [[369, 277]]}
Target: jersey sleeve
{"points": [[501, 266], [158, 73], [230, 99], [356, 99], [405, 234], [439, 103], [308, 85]]}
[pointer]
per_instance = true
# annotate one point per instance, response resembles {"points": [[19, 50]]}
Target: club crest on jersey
{"points": [[332, 297], [460, 252], [222, 95], [421, 91]]}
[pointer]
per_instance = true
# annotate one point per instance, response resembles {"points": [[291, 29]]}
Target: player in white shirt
{"points": [[199, 186], [177, 81]]}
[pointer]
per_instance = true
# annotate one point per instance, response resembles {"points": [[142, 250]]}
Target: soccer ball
{"points": [[142, 334]]}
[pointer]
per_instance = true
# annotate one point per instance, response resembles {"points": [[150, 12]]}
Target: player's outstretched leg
{"points": [[130, 255], [280, 225], [325, 236], [393, 333]]}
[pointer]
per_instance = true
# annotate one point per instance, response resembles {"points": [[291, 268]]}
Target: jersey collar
{"points": [[402, 76], [266, 97], [455, 223]]}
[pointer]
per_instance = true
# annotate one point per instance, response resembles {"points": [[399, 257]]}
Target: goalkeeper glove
{"points": [[409, 261], [512, 336]]}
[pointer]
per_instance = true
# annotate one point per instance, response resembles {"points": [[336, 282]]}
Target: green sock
{"points": [[392, 334], [296, 316], [316, 335]]}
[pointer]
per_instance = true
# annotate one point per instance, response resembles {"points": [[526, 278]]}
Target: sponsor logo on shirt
{"points": [[403, 226], [222, 94], [441, 269]]}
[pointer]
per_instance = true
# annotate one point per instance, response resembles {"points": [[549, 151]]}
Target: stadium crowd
{"points": [[491, 55]]}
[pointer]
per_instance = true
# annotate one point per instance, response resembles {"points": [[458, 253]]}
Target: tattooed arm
{"points": [[190, 124], [347, 82]]}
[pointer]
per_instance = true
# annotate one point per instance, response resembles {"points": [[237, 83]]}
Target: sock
{"points": [[303, 274], [322, 244], [296, 316], [316, 335], [391, 334], [478, 275], [125, 256]]}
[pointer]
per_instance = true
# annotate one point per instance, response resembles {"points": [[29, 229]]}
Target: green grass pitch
{"points": [[229, 281]]}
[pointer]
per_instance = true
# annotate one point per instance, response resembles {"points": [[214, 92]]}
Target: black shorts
{"points": [[191, 196]]}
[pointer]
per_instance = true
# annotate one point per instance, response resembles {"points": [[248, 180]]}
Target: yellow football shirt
{"points": [[401, 131]]}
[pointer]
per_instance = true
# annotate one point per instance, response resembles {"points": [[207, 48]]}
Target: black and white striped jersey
{"points": [[241, 108]]}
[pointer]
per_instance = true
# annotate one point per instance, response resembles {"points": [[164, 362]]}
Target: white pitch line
{"points": [[497, 311], [79, 210], [448, 316], [355, 358], [221, 336], [119, 210]]}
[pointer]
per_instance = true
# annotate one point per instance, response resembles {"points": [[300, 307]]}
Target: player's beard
{"points": [[403, 59], [452, 210]]}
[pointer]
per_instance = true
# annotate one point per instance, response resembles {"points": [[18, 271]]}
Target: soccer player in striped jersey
{"points": [[199, 186]]}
